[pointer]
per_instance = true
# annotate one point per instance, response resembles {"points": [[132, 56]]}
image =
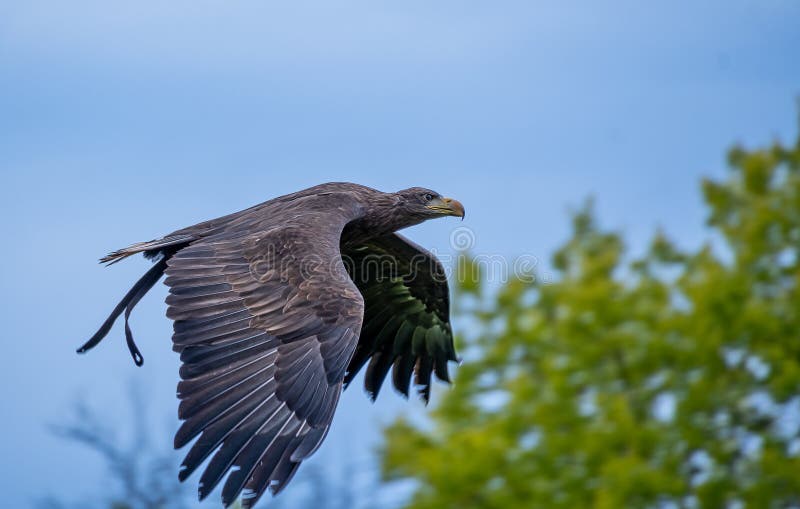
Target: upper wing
{"points": [[406, 316], [265, 324]]}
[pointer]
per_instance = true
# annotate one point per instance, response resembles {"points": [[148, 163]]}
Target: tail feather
{"points": [[150, 248]]}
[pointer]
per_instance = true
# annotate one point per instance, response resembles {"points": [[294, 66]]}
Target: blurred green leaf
{"points": [[666, 380]]}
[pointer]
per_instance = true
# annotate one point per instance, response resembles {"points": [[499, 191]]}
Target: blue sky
{"points": [[124, 122]]}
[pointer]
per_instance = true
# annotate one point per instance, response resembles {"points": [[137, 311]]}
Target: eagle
{"points": [[277, 307]]}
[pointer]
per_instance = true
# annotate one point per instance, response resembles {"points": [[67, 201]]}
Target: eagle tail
{"points": [[151, 248]]}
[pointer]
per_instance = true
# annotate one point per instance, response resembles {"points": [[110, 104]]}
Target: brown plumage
{"points": [[277, 307]]}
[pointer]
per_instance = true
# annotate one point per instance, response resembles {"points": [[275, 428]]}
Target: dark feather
{"points": [[270, 324], [406, 314]]}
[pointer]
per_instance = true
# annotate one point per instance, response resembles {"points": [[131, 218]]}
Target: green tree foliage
{"points": [[669, 381]]}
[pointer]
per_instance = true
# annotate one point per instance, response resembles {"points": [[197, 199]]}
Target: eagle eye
{"points": [[428, 197]]}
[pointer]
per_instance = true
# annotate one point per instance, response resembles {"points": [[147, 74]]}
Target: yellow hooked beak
{"points": [[447, 207]]}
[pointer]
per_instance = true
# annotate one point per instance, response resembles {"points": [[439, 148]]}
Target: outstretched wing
{"points": [[266, 325], [406, 316]]}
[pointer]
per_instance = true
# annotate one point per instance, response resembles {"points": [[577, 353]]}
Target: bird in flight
{"points": [[275, 310]]}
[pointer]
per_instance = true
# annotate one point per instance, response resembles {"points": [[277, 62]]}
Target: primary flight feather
{"points": [[275, 310]]}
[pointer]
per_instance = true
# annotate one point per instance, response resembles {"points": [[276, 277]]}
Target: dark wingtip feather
{"points": [[378, 368], [184, 472], [422, 377], [440, 369], [401, 373]]}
